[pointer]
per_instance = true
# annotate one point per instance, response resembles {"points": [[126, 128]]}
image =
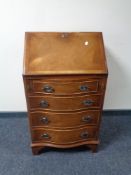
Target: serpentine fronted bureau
{"points": [[65, 78]]}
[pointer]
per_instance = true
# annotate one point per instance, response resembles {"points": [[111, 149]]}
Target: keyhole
{"points": [[86, 43]]}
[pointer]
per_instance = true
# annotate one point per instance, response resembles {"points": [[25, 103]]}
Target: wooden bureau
{"points": [[65, 78]]}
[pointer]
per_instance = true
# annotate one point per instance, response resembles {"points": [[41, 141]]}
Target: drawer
{"points": [[65, 103], [63, 136], [65, 87], [64, 120]]}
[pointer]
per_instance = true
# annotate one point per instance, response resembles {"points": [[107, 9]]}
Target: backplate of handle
{"points": [[87, 119], [44, 120], [48, 89], [44, 104], [84, 135], [45, 136], [88, 102], [83, 88]]}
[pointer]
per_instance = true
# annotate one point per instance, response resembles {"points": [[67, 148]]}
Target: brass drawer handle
{"points": [[84, 135], [84, 88], [44, 104], [87, 119], [88, 102], [44, 120], [48, 89], [45, 136]]}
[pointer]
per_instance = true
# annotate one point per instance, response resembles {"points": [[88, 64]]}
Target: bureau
{"points": [[65, 77]]}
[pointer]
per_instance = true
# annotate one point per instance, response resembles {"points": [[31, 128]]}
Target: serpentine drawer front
{"points": [[64, 103], [65, 78], [64, 120], [68, 136]]}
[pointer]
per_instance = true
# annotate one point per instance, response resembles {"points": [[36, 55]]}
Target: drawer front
{"points": [[65, 88], [63, 136], [65, 103], [64, 120]]}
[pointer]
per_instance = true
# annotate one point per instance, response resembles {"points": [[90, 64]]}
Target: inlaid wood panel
{"points": [[65, 88]]}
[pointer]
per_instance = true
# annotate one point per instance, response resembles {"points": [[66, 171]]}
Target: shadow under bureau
{"points": [[65, 78]]}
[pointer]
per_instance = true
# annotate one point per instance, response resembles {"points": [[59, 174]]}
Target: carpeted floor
{"points": [[113, 157]]}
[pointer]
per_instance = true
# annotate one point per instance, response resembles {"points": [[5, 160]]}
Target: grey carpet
{"points": [[113, 157]]}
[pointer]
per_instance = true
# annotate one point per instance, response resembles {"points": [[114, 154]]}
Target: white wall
{"points": [[111, 17]]}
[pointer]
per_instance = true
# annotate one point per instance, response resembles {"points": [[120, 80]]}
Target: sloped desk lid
{"points": [[64, 53]]}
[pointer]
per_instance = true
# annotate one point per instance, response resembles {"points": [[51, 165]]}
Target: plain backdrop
{"points": [[112, 17]]}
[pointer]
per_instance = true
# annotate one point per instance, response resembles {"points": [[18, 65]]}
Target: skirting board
{"points": [[105, 113]]}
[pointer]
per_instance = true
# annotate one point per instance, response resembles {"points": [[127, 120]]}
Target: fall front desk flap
{"points": [[64, 53]]}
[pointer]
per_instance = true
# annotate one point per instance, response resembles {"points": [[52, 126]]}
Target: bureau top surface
{"points": [[64, 53]]}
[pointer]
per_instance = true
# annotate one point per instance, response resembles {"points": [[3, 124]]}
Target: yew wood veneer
{"points": [[65, 78]]}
